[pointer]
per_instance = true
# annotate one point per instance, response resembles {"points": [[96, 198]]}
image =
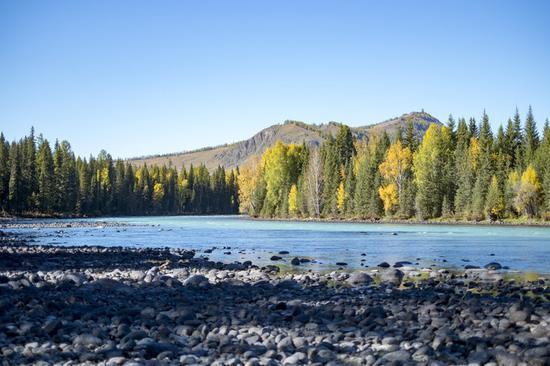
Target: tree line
{"points": [[36, 180], [460, 171]]}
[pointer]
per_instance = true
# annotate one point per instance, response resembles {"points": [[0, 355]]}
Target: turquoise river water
{"points": [[519, 248]]}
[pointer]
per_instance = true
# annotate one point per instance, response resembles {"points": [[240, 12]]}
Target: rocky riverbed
{"points": [[124, 306]]}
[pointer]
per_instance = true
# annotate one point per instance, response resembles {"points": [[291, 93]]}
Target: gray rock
{"points": [[295, 261], [478, 357], [77, 278], [51, 324], [397, 356], [298, 357], [493, 266], [197, 281], [87, 340], [359, 279], [391, 276], [506, 359]]}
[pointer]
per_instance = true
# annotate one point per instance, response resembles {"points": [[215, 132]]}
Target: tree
{"points": [[331, 176], [45, 177], [344, 145], [314, 183], [464, 170], [293, 201], [410, 140], [389, 196], [527, 199], [280, 165], [4, 172], [494, 206], [396, 165], [341, 198], [531, 138], [485, 171], [15, 198], [428, 165], [395, 169]]}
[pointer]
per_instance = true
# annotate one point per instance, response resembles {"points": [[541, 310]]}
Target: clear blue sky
{"points": [[143, 77]]}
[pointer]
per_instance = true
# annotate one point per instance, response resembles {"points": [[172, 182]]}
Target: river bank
{"points": [[145, 306], [7, 220], [507, 222]]}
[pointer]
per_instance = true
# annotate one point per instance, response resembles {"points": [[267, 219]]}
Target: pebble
{"points": [[122, 306]]}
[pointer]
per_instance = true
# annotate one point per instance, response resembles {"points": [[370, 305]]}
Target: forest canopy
{"points": [[38, 180], [461, 170]]}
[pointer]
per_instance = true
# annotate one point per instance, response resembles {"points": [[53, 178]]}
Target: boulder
{"points": [[391, 276], [359, 279]]}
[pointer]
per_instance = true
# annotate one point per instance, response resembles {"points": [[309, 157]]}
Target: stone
{"points": [[295, 261], [493, 266], [197, 281], [391, 276], [397, 356], [478, 357], [276, 258], [87, 340], [359, 279], [384, 265], [298, 357]]}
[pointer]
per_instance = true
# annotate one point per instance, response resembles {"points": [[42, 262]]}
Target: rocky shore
{"points": [[123, 306]]}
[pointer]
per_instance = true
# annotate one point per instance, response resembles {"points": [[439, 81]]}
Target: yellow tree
{"points": [[249, 174], [280, 164], [394, 169], [529, 193], [341, 197], [388, 194], [293, 200], [397, 164]]}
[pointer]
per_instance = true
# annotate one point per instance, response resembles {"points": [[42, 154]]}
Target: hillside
{"points": [[239, 153]]}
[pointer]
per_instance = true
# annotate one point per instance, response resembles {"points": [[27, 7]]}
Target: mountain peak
{"points": [[290, 131]]}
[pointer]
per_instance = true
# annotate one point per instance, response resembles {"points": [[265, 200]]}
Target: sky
{"points": [[147, 77]]}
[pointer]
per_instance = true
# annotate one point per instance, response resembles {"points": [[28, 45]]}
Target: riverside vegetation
{"points": [[36, 181], [460, 171]]}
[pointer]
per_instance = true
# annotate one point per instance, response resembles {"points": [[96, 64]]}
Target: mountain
{"points": [[237, 154]]}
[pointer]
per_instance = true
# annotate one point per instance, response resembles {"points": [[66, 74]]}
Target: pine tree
{"points": [[485, 170], [429, 162], [518, 160], [4, 172], [410, 140], [494, 205], [349, 191], [463, 170], [531, 138], [45, 177], [15, 195], [473, 128], [362, 186], [344, 145]]}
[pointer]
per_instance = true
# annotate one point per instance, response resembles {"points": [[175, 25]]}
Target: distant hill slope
{"points": [[237, 154]]}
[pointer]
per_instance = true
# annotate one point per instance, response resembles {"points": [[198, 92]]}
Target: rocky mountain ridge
{"points": [[237, 154]]}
